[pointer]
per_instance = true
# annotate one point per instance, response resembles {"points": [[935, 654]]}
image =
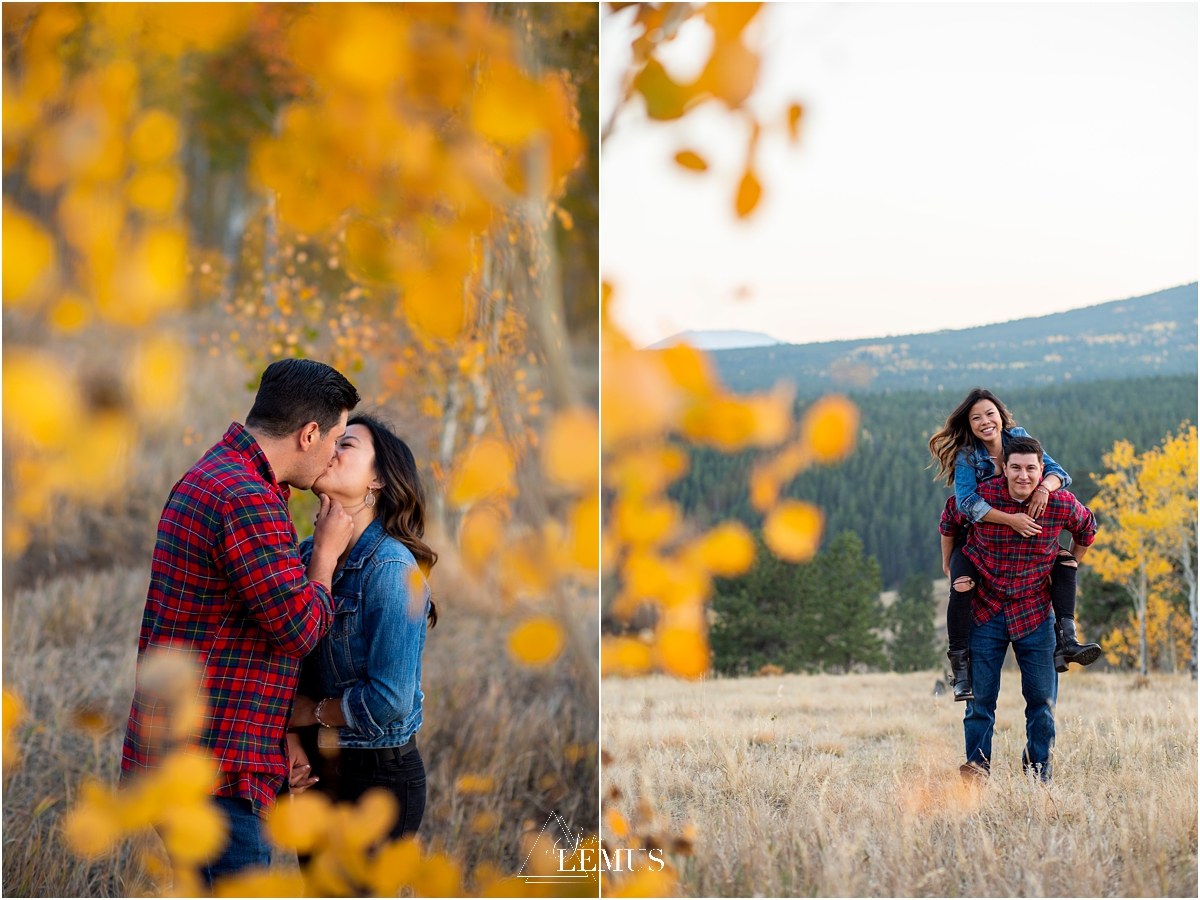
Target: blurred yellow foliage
{"points": [[486, 471], [537, 642]]}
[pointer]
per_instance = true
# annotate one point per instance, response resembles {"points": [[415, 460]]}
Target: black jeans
{"points": [[350, 774]]}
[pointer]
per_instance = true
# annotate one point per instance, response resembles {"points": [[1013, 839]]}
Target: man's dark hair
{"points": [[1022, 445], [294, 392]]}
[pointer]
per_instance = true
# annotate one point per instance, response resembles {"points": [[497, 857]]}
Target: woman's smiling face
{"points": [[984, 419], [352, 471]]}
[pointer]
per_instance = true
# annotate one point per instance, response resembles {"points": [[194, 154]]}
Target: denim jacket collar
{"points": [[365, 546]]}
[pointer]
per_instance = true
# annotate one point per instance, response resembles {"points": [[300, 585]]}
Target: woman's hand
{"points": [[1038, 501], [303, 712], [1024, 525], [299, 779]]}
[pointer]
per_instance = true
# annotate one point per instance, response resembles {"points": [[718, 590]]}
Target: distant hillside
{"points": [[1150, 335], [718, 340]]}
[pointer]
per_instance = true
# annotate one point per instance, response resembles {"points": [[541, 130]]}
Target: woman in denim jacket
{"points": [[361, 687], [969, 449]]}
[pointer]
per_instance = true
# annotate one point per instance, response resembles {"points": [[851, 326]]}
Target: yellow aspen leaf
{"points": [[645, 522], [13, 715], [683, 652], [437, 877], [763, 489], [436, 305], [646, 576], [192, 834], [617, 824], [186, 777], [748, 194], [92, 827], [528, 565], [690, 368], [69, 314], [369, 50], [475, 784], [99, 465], [772, 415], [479, 535], [155, 375], [730, 73], [260, 883], [483, 822], [638, 397], [299, 821], [793, 530], [537, 642], [394, 866], [571, 451], [795, 111], [41, 404], [369, 820], [370, 250], [156, 191], [829, 428], [585, 521], [665, 100], [624, 656], [728, 549], [485, 471], [28, 254], [726, 422], [155, 137], [691, 160], [200, 26], [507, 109], [728, 20]]}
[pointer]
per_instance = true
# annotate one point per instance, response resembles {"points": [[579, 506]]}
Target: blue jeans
{"points": [[248, 845], [1039, 685]]}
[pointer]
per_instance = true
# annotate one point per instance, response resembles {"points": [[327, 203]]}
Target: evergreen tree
{"points": [[910, 619], [849, 602]]}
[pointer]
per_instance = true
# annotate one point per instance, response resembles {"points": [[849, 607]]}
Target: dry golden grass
{"points": [[848, 786], [70, 646]]}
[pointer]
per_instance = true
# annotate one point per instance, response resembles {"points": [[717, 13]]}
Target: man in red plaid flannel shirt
{"points": [[1012, 602], [228, 589]]}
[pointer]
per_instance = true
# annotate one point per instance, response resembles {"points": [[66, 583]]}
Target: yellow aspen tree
{"points": [[1168, 481], [1126, 550]]}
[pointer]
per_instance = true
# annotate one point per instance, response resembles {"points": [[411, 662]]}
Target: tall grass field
{"points": [[848, 785]]}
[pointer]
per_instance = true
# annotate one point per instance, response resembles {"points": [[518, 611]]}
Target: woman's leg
{"points": [[404, 778], [964, 578], [1062, 597], [963, 581]]}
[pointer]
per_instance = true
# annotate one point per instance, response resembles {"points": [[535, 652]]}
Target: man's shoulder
{"points": [[223, 475], [993, 489], [1064, 500]]}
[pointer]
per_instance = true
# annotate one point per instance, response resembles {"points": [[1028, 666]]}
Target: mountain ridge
{"points": [[1151, 334]]}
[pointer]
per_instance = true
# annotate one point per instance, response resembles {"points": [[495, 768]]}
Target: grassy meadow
{"points": [[71, 613], [848, 785]]}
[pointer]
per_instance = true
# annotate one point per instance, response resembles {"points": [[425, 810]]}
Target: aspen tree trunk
{"points": [[1141, 598]]}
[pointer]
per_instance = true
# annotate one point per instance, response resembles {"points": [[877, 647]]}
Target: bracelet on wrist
{"points": [[317, 713]]}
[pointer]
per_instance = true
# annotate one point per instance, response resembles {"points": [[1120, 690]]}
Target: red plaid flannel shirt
{"points": [[227, 584], [1015, 571]]}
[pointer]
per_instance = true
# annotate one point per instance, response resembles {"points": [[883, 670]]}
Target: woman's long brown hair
{"points": [[956, 434], [400, 504]]}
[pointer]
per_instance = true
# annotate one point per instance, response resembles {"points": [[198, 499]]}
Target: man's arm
{"points": [[947, 552], [1081, 523], [258, 555]]}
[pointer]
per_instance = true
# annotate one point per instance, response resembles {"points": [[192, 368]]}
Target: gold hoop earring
{"points": [[370, 501]]}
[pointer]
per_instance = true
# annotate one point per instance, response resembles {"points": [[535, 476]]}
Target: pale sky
{"points": [[960, 164]]}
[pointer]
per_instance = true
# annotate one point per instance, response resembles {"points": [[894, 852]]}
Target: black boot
{"points": [[1068, 649], [960, 673]]}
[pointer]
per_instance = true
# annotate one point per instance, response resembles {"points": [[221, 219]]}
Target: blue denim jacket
{"points": [[371, 655], [974, 466]]}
